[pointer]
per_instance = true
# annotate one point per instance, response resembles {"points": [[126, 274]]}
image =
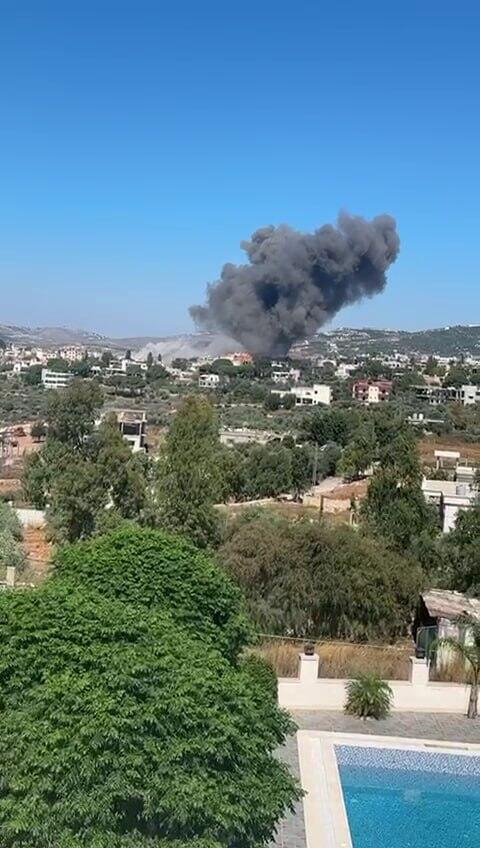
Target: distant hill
{"points": [[184, 345], [443, 341], [48, 336]]}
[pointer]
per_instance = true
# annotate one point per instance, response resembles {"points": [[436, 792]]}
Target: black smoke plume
{"points": [[295, 282]]}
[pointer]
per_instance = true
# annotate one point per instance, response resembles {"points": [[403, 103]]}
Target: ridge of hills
{"points": [[343, 341]]}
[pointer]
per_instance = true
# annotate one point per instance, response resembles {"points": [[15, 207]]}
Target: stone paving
{"points": [[445, 727]]}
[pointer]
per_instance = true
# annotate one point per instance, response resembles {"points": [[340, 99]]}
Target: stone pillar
{"points": [[418, 674], [10, 576], [308, 668]]}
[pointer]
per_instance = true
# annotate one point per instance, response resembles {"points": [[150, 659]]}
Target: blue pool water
{"points": [[410, 799]]}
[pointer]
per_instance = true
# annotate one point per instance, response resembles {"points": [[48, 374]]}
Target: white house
{"points": [[344, 369], [55, 379], [469, 395], [292, 374], [314, 395], [208, 381], [450, 497]]}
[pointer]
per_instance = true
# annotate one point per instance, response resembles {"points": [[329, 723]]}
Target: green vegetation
{"points": [[368, 697], [469, 652], [130, 719], [315, 580], [82, 471], [11, 552], [264, 471], [21, 400], [189, 479], [395, 508], [460, 553]]}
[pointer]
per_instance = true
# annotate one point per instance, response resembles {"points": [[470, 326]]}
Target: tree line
{"points": [[90, 482]]}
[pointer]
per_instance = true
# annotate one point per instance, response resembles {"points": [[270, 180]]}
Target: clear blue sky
{"points": [[141, 140]]}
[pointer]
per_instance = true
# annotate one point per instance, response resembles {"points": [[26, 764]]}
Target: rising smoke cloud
{"points": [[295, 282]]}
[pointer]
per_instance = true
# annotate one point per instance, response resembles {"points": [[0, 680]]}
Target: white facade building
{"points": [[344, 369], [293, 375], [450, 497], [314, 395], [208, 381], [469, 395], [55, 379]]}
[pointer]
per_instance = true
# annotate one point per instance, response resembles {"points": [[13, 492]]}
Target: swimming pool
{"points": [[410, 799], [386, 792]]}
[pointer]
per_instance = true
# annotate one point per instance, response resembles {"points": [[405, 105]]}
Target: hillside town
{"points": [[239, 425], [260, 405]]}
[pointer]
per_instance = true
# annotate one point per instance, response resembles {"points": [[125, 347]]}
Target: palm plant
{"points": [[368, 696], [469, 653]]}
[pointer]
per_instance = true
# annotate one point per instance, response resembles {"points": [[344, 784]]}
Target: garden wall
{"points": [[418, 694]]}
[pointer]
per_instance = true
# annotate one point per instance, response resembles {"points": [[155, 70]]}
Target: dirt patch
{"points": [[470, 451], [10, 484], [39, 554]]}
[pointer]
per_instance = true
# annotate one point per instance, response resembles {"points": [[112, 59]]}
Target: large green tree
{"points": [[190, 477], [121, 724], [315, 579], [461, 553], [84, 468], [331, 425], [360, 452], [71, 413], [395, 508]]}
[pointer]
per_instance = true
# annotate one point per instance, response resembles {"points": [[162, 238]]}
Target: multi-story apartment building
{"points": [[55, 379], [208, 381], [371, 391]]}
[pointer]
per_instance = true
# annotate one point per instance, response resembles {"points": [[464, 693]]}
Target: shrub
{"points": [[368, 697], [11, 553], [314, 580], [153, 569], [9, 522], [127, 719], [260, 670]]}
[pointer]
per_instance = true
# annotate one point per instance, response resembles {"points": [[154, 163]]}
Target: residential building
{"points": [[183, 377], [71, 353], [446, 458], [468, 394], [435, 395], [344, 369], [314, 395], [21, 366], [371, 391], [286, 376], [450, 497], [133, 427], [419, 419], [208, 381], [55, 379], [239, 358]]}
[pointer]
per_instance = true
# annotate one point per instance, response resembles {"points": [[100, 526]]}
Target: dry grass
{"points": [[453, 672], [343, 660], [470, 451], [340, 660]]}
